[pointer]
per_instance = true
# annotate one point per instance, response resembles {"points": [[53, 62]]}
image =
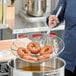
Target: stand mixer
{"points": [[36, 10]]}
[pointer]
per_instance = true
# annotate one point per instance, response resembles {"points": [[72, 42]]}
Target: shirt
{"points": [[68, 13]]}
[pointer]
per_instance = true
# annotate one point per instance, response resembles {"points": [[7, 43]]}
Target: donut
{"points": [[26, 51], [33, 47], [44, 56], [22, 52], [25, 54], [46, 50], [30, 58]]}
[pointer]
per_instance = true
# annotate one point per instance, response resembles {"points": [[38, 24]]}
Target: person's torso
{"points": [[70, 30], [70, 15]]}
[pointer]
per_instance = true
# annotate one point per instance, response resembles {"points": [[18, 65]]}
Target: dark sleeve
{"points": [[61, 15]]}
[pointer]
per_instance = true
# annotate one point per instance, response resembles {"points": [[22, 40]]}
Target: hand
{"points": [[53, 20]]}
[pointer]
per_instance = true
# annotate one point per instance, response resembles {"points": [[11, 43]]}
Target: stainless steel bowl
{"points": [[36, 7], [57, 63]]}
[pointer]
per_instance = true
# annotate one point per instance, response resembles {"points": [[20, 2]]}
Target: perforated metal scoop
{"points": [[56, 42]]}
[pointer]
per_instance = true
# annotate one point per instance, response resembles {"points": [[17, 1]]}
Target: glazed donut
{"points": [[30, 58], [22, 52], [26, 51], [46, 50], [33, 47], [25, 54], [44, 56]]}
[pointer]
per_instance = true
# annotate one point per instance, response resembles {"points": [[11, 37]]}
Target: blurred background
{"points": [[19, 5]]}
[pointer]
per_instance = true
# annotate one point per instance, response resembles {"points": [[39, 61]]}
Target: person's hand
{"points": [[53, 20]]}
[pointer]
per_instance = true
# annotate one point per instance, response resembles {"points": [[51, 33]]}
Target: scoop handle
{"points": [[59, 10], [57, 14]]}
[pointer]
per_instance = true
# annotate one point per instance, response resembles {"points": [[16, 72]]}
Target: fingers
{"points": [[55, 23], [53, 20]]}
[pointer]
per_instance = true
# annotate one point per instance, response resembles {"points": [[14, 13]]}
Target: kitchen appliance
{"points": [[47, 68], [35, 7], [35, 10]]}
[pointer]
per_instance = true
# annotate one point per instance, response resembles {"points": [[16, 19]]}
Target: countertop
{"points": [[22, 26], [5, 50]]}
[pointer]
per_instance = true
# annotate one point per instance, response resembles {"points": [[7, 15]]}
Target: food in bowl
{"points": [[33, 49], [48, 49]]}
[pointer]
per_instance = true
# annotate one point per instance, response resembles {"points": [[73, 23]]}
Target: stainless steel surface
{"points": [[36, 7], [22, 26], [28, 18], [57, 63], [3, 26]]}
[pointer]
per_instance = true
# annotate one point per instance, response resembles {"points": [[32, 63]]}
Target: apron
{"points": [[69, 35]]}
